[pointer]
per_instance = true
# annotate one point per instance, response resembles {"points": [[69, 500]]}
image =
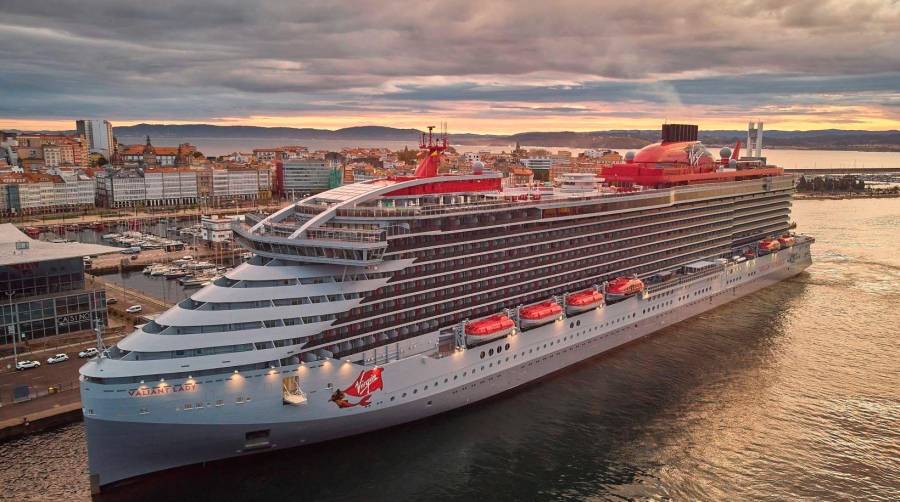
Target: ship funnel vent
{"points": [[679, 132]]}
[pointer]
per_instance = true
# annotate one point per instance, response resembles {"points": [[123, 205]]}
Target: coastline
{"points": [[843, 196]]}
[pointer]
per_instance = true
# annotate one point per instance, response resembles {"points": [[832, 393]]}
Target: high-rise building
{"points": [[99, 135]]}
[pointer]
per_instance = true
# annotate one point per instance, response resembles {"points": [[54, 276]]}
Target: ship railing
{"points": [[351, 235]]}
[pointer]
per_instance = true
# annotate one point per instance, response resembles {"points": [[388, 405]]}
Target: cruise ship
{"points": [[391, 300]]}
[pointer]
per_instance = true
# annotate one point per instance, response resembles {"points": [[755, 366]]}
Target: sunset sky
{"points": [[483, 66]]}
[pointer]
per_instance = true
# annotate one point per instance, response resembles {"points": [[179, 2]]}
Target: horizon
{"points": [[500, 68]]}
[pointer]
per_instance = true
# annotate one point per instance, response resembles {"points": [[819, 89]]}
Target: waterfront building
{"points": [[233, 183], [35, 193], [98, 134], [216, 229], [602, 156], [45, 292], [170, 186], [120, 188], [305, 176]]}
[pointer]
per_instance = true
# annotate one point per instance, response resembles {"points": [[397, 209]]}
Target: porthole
{"points": [[578, 323], [446, 380], [415, 391], [571, 325], [491, 352], [506, 346], [499, 348], [404, 394], [482, 354], [426, 388], [392, 397], [464, 373], [454, 377]]}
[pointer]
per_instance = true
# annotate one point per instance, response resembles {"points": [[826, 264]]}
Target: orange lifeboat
{"points": [[539, 313], [583, 301], [767, 246], [786, 241], [621, 288], [488, 328]]}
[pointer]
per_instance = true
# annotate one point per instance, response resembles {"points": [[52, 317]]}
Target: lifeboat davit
{"points": [[489, 328], [583, 301], [539, 313], [786, 241], [768, 246], [621, 288]]}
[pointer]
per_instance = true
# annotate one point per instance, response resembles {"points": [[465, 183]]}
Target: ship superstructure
{"points": [[389, 300]]}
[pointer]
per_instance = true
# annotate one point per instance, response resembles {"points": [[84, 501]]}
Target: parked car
{"points": [[58, 358], [26, 365], [88, 352], [111, 301], [134, 309]]}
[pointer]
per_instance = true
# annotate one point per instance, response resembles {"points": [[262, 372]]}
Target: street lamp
{"points": [[12, 326]]}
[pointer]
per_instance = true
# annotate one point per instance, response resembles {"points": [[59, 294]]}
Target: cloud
{"points": [[373, 60]]}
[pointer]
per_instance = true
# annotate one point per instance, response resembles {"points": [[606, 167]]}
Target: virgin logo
{"points": [[365, 384]]}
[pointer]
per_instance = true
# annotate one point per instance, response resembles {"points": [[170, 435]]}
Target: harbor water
{"points": [[792, 393]]}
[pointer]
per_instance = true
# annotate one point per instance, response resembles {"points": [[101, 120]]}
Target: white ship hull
{"points": [[130, 436]]}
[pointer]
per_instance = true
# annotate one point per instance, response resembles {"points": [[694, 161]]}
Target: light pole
{"points": [[12, 326]]}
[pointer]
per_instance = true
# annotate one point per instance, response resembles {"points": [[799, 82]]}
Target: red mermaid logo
{"points": [[363, 387]]}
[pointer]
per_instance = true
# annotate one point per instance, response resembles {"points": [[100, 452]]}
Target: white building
{"points": [[158, 186], [240, 183], [216, 229], [43, 193], [99, 135]]}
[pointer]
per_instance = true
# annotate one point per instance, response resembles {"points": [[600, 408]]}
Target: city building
{"points": [[235, 183], [216, 229], [38, 152], [98, 134], [540, 166], [305, 176], [45, 289], [36, 193], [150, 187], [148, 155]]}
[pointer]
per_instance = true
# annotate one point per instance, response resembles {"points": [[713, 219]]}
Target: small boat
{"points": [[158, 270], [767, 246], [174, 273], [583, 301], [621, 288], [193, 282], [786, 241], [539, 313], [32, 232], [488, 328], [147, 270], [110, 237]]}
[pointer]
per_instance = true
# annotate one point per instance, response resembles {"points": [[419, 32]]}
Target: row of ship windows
{"points": [[154, 327], [312, 251], [208, 351], [302, 281], [191, 304]]}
